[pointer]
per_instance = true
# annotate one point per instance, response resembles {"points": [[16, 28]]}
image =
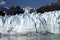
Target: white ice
{"points": [[31, 22]]}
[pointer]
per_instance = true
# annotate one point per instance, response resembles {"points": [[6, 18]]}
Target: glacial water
{"points": [[35, 37]]}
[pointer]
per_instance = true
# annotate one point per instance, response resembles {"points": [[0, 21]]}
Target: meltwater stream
{"points": [[31, 23]]}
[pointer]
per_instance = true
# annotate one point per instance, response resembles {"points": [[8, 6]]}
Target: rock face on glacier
{"points": [[2, 13], [48, 8], [31, 23], [13, 10]]}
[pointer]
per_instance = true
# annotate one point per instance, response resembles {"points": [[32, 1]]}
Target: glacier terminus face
{"points": [[31, 22]]}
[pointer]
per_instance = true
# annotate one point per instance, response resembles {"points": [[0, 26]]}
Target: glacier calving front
{"points": [[26, 23]]}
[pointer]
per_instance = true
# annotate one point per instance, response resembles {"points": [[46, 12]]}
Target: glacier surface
{"points": [[31, 22]]}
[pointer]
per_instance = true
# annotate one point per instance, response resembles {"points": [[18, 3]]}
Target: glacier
{"points": [[31, 22]]}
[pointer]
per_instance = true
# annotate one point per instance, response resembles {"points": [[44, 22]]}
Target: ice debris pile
{"points": [[34, 22]]}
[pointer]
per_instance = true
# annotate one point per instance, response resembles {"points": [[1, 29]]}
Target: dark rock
{"points": [[14, 10], [1, 13], [3, 8], [47, 8], [32, 10], [0, 35]]}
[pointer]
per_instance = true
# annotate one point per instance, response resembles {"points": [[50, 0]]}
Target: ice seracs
{"points": [[31, 23], [29, 10]]}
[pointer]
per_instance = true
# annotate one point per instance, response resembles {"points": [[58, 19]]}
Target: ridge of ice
{"points": [[25, 23]]}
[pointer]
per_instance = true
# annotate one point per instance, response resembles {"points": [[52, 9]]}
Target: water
{"points": [[34, 37]]}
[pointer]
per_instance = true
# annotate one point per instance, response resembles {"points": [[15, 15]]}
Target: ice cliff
{"points": [[31, 22]]}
